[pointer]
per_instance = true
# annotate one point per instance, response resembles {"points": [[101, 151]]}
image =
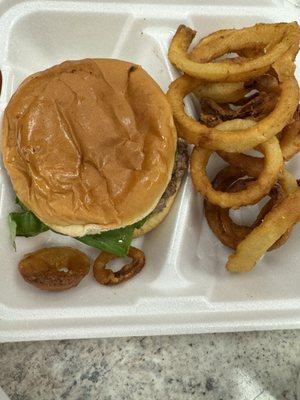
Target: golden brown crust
{"points": [[105, 276], [275, 224], [89, 145], [54, 268]]}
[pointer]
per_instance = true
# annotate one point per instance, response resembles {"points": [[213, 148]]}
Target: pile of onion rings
{"points": [[247, 99]]}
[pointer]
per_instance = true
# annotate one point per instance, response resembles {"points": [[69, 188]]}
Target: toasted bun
{"points": [[89, 145]]}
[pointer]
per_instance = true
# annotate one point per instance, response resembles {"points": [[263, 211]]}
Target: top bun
{"points": [[89, 145]]}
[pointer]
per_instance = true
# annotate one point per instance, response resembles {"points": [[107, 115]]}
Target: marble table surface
{"points": [[239, 366]]}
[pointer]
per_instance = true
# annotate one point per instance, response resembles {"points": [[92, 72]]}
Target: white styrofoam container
{"points": [[184, 287]]}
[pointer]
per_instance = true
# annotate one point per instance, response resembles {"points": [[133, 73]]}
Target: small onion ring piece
{"points": [[106, 276]]}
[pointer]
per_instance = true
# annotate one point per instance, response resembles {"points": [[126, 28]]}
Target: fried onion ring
{"points": [[54, 268], [290, 138], [251, 52], [253, 166], [240, 135], [276, 39], [275, 224], [256, 107], [106, 276], [221, 92], [224, 92], [254, 192], [264, 83], [213, 114], [219, 220]]}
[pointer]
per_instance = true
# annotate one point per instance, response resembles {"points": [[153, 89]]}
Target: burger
{"points": [[92, 152]]}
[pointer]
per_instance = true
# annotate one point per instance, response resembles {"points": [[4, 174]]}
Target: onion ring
{"points": [[54, 268], [201, 56], [213, 114], [277, 39], [219, 220], [222, 181], [284, 67], [239, 136], [224, 92], [290, 138], [253, 166], [264, 83], [255, 107], [255, 191], [275, 224], [106, 276], [221, 92], [252, 52]]}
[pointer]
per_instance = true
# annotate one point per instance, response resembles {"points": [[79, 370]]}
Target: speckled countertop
{"points": [[241, 366]]}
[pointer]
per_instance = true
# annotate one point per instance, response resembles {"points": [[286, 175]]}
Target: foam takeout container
{"points": [[184, 287]]}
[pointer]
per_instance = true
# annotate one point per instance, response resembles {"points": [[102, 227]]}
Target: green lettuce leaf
{"points": [[26, 224], [116, 241]]}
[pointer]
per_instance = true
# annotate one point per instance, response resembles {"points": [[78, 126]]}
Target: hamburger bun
{"points": [[165, 203], [89, 145]]}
